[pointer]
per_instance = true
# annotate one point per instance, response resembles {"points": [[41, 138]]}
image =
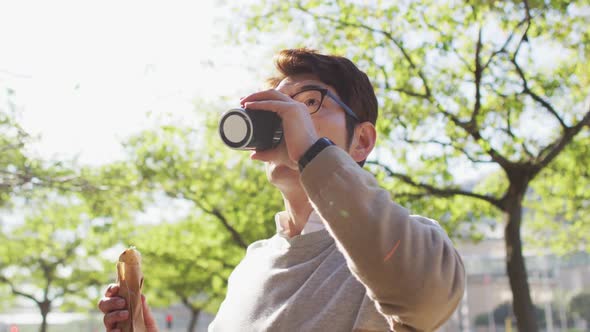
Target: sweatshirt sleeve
{"points": [[407, 263]]}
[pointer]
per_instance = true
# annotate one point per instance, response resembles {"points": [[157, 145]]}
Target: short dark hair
{"points": [[351, 84]]}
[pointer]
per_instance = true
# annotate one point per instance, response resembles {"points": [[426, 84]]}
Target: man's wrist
{"points": [[313, 151]]}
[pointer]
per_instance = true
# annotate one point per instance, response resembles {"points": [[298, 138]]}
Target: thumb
{"points": [[148, 317]]}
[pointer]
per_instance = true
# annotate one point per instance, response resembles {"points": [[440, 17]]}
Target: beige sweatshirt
{"points": [[374, 268]]}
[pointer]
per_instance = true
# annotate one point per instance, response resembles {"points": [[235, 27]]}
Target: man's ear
{"points": [[363, 141]]}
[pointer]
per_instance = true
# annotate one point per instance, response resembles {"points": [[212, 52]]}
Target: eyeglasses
{"points": [[313, 97]]}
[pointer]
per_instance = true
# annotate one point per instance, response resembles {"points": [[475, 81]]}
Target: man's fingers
{"points": [[270, 94], [112, 290], [108, 304], [114, 317], [148, 317], [276, 106]]}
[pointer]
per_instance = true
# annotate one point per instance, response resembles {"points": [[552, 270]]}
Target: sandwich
{"points": [[130, 280]]}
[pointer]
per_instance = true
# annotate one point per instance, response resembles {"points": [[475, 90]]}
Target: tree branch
{"points": [[234, 233], [526, 90], [478, 76], [16, 146], [411, 93], [48, 270], [385, 77], [16, 179], [68, 252], [520, 72], [503, 48], [444, 144], [442, 192], [524, 36], [496, 156], [435, 28], [68, 290], [386, 34], [527, 20], [17, 292], [552, 150], [383, 71], [509, 132], [476, 135]]}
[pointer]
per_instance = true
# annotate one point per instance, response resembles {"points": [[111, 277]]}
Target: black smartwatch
{"points": [[313, 151]]}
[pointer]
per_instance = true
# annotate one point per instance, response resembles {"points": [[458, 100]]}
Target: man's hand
{"points": [[298, 128], [114, 309]]}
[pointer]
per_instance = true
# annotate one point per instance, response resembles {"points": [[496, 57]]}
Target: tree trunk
{"points": [[515, 265], [194, 317], [44, 307]]}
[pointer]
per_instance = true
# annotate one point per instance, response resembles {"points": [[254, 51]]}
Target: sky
{"points": [[86, 74]]}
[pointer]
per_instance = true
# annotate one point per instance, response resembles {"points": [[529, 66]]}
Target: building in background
{"points": [[553, 281]]}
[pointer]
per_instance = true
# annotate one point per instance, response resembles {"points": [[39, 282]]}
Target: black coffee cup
{"points": [[245, 129]]}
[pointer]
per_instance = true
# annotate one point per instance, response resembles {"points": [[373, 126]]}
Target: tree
{"points": [[480, 86], [12, 142], [217, 181], [562, 223], [580, 304], [21, 172], [49, 257], [191, 266], [230, 204], [53, 255]]}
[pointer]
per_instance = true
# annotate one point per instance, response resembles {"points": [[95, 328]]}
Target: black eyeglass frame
{"points": [[325, 92]]}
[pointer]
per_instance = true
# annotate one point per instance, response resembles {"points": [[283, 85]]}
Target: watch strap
{"points": [[313, 151]]}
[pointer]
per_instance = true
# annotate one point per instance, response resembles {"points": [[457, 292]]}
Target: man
{"points": [[345, 256]]}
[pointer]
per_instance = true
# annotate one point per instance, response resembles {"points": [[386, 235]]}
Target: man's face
{"points": [[329, 121]]}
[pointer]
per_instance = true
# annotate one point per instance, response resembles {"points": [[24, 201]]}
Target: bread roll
{"points": [[130, 280]]}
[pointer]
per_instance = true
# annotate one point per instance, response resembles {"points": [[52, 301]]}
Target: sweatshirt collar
{"points": [[314, 223]]}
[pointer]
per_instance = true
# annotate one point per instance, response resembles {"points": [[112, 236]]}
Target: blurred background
{"points": [[108, 114]]}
